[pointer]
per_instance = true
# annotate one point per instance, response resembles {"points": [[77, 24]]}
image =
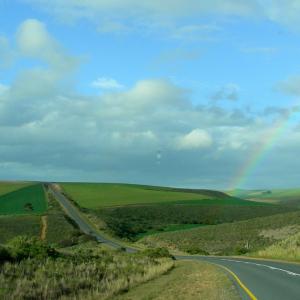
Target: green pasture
{"points": [[8, 187], [27, 200], [97, 195]]}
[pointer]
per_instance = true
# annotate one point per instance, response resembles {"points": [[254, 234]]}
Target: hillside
{"points": [[23, 200], [281, 196], [97, 195], [230, 238], [10, 186]]}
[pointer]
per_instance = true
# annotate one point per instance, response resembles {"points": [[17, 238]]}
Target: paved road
{"points": [[266, 280], [74, 214]]}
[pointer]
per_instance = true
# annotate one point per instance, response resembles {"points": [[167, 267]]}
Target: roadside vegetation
{"points": [[286, 249], [11, 226], [189, 280], [230, 238], [31, 269]]}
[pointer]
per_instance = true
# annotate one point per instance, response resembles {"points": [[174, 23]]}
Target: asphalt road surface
{"points": [[264, 279], [255, 279]]}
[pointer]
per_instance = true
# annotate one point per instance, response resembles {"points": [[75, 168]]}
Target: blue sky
{"points": [[176, 93]]}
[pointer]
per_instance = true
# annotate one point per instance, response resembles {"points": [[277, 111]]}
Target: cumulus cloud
{"points": [[3, 88], [7, 56], [150, 132], [290, 86], [196, 139], [34, 41], [124, 15], [227, 92], [107, 83]]}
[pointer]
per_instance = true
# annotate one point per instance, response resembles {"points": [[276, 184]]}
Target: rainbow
{"points": [[261, 151]]}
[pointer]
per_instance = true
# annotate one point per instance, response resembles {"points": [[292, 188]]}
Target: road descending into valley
{"points": [[254, 278]]}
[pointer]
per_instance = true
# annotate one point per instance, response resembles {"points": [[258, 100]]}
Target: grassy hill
{"points": [[286, 249], [7, 187], [230, 238], [97, 195], [25, 200], [282, 196], [25, 209], [133, 211]]}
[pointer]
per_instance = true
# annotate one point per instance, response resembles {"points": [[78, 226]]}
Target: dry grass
{"points": [[189, 280], [87, 274], [287, 249]]}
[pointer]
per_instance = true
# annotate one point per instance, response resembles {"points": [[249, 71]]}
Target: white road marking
{"points": [[261, 265]]}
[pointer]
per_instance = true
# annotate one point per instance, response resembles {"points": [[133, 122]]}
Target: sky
{"points": [[187, 93]]}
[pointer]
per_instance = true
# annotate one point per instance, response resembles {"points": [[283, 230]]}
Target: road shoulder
{"points": [[189, 280]]}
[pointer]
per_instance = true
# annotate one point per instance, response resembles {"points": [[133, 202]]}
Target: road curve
{"points": [[84, 226], [264, 280]]}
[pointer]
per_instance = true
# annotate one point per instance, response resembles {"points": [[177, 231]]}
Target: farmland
{"points": [[7, 187], [26, 200], [97, 195], [282, 196], [131, 211], [21, 211], [11, 226]]}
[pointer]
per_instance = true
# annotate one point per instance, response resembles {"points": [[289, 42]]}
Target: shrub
{"points": [[4, 255], [157, 253], [241, 250], [23, 247], [196, 250]]}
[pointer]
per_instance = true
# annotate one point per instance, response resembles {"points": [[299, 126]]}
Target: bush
{"points": [[196, 250], [241, 250], [4, 255], [157, 253], [23, 247]]}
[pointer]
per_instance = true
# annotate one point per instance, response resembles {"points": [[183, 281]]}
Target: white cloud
{"points": [[106, 83], [121, 16], [196, 139], [34, 41], [121, 135], [3, 88], [290, 86], [229, 92], [6, 54]]}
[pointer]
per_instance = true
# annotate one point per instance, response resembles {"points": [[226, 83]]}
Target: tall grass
{"points": [[86, 274], [287, 249]]}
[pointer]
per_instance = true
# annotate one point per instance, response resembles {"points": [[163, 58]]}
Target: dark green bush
{"points": [[4, 255], [241, 250], [157, 253], [23, 247], [196, 250]]}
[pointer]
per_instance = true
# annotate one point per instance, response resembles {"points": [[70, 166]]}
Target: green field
{"points": [[231, 238], [97, 195], [283, 196], [8, 187], [27, 200], [11, 226]]}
